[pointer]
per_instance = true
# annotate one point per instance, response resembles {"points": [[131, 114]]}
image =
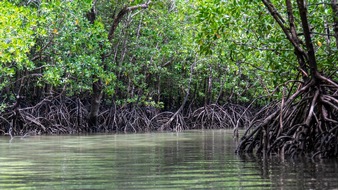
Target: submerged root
{"points": [[305, 124]]}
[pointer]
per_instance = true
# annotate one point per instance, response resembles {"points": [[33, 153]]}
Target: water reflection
{"points": [[300, 173], [187, 160]]}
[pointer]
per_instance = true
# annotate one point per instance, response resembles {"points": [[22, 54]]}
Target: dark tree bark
{"points": [[95, 103], [307, 35], [334, 6], [299, 54]]}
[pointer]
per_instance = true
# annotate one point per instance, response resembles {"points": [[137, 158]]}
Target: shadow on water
{"points": [[187, 160], [300, 173]]}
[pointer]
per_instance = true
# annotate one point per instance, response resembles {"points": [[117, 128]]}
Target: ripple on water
{"points": [[187, 160]]}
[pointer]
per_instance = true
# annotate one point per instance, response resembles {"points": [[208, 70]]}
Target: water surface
{"points": [[186, 160]]}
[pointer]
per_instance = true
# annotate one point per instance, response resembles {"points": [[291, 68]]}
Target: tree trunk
{"points": [[307, 35], [95, 103], [335, 18], [97, 86]]}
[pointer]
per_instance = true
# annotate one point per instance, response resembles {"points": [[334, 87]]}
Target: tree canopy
{"points": [[165, 65]]}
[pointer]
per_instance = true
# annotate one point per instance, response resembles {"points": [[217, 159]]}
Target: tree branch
{"points": [[273, 11], [291, 21], [120, 15], [335, 18], [307, 35]]}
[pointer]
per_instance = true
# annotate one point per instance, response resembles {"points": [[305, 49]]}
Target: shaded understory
{"points": [[64, 115], [302, 123]]}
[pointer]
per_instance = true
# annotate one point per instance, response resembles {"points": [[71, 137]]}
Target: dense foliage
{"points": [[59, 50], [75, 66]]}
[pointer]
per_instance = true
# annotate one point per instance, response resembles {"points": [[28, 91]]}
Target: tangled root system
{"points": [[303, 124]]}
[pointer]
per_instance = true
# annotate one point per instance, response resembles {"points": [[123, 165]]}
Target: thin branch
{"points": [[334, 6], [273, 11], [121, 14], [292, 21]]}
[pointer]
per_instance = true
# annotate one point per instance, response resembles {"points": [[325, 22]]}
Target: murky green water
{"points": [[187, 160]]}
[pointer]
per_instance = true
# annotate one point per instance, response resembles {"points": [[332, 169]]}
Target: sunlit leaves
{"points": [[73, 45], [17, 26]]}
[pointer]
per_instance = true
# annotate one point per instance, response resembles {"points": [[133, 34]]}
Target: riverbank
{"points": [[70, 116]]}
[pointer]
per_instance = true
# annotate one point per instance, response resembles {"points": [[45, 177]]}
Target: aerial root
{"points": [[215, 116], [305, 124], [68, 115], [168, 121]]}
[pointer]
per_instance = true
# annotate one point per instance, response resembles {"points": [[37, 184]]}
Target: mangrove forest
{"points": [[266, 69]]}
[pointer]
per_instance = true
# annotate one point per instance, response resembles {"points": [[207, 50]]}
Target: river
{"points": [[202, 159]]}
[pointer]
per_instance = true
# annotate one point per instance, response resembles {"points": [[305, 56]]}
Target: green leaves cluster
{"points": [[248, 43], [217, 50], [72, 47], [17, 36]]}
